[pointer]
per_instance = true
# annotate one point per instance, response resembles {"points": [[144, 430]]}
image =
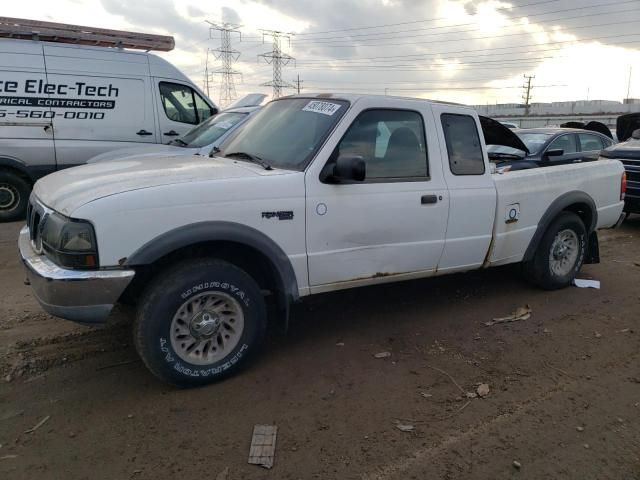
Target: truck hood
{"points": [[626, 124], [141, 151], [69, 189], [629, 149]]}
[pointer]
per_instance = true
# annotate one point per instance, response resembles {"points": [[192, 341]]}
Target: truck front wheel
{"points": [[560, 254], [199, 322]]}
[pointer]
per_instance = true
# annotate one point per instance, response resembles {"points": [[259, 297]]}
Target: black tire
{"points": [[14, 197], [539, 270], [198, 280]]}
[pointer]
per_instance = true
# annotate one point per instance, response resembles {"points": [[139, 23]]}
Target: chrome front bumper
{"points": [[83, 296]]}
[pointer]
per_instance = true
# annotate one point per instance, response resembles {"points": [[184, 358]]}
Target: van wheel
{"points": [[560, 254], [199, 322], [14, 197]]}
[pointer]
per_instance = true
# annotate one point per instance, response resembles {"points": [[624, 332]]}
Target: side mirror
{"points": [[556, 152], [636, 134], [347, 168]]}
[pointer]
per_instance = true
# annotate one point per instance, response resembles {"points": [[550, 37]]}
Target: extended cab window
{"points": [[182, 104], [391, 142], [463, 144]]}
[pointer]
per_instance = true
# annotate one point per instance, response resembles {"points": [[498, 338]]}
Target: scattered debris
{"points": [[8, 457], [119, 364], [72, 434], [521, 313], [472, 395], [223, 475], [340, 344], [584, 283], [482, 390], [450, 377], [130, 415], [38, 425], [517, 465], [597, 334], [586, 445], [546, 330], [619, 420], [263, 445], [405, 427], [559, 370], [382, 355], [8, 378], [426, 395], [580, 429], [624, 330]]}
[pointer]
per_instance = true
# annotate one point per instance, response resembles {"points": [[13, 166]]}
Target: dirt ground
{"points": [[564, 397]]}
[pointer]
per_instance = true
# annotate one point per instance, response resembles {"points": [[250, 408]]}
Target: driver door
{"points": [[179, 109]]}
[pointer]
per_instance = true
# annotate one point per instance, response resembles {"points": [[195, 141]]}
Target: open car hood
{"points": [[626, 124], [592, 126], [496, 133]]}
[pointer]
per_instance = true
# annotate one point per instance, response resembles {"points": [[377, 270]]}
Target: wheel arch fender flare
{"points": [[564, 202], [17, 165], [201, 232]]}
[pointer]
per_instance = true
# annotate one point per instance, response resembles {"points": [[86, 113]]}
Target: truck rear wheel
{"points": [[560, 254], [199, 322], [14, 197]]}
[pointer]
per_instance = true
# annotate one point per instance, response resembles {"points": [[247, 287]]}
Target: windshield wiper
{"points": [[252, 158], [179, 141]]}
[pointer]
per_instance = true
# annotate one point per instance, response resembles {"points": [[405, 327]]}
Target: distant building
{"points": [[555, 113]]}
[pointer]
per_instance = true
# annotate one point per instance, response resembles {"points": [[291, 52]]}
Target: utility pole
{"points": [[527, 93], [227, 56], [277, 59], [205, 86], [298, 84], [629, 84]]}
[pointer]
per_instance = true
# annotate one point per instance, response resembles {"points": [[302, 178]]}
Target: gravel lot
{"points": [[564, 386]]}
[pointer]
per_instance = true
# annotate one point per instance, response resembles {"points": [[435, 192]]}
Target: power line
{"points": [[419, 21], [403, 33], [227, 55], [447, 40], [277, 59]]}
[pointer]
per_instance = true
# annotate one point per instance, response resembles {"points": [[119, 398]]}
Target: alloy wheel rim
{"points": [[207, 327], [564, 252]]}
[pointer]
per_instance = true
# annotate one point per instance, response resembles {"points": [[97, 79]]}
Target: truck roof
{"points": [[352, 97]]}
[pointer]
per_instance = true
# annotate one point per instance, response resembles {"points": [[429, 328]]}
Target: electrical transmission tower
{"points": [[277, 59], [227, 55], [527, 93]]}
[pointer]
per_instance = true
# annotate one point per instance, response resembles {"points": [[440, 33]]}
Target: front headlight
{"points": [[69, 242]]}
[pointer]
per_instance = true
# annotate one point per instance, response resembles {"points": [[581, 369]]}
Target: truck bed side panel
{"points": [[533, 191]]}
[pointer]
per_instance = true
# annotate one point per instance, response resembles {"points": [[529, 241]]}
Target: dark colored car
{"points": [[550, 146], [628, 152]]}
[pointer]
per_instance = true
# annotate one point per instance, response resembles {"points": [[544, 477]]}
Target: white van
{"points": [[62, 104]]}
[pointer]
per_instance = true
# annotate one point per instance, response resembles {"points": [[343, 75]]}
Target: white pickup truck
{"points": [[314, 194]]}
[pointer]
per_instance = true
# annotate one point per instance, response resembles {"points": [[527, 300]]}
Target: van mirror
{"points": [[636, 134]]}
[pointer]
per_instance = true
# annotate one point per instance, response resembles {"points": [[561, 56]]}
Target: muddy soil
{"points": [[563, 401]]}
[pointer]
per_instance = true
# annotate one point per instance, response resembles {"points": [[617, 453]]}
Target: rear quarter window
{"points": [[463, 144]]}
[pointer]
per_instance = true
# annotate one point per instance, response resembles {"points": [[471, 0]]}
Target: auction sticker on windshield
{"points": [[326, 108]]}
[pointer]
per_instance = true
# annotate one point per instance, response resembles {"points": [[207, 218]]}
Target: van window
{"points": [[463, 144], [391, 142], [182, 104]]}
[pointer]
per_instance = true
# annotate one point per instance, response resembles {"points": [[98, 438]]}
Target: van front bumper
{"points": [[83, 296]]}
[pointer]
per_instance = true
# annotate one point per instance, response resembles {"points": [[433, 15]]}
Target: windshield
{"points": [[286, 133], [210, 130], [533, 141]]}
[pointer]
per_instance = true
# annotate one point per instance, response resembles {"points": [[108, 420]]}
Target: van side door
{"points": [[179, 108], [472, 192], [391, 225], [102, 101], [26, 133]]}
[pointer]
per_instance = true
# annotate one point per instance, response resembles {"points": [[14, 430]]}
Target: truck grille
{"points": [[36, 216]]}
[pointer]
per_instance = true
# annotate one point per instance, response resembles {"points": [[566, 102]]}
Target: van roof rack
{"points": [[79, 35]]}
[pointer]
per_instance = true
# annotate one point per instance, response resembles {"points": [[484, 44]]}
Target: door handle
{"points": [[171, 133], [427, 199], [143, 133]]}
